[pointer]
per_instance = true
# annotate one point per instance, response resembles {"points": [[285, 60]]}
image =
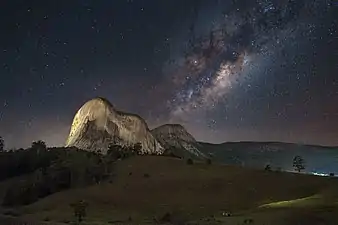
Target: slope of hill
{"points": [[257, 154], [147, 187]]}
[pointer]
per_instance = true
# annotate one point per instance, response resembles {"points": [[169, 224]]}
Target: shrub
{"points": [[331, 174], [208, 161], [146, 175], [190, 161], [80, 210]]}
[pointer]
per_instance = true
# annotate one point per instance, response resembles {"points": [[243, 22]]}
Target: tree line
{"points": [[44, 171]]}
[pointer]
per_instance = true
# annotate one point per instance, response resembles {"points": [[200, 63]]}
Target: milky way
{"points": [[262, 70], [237, 48]]}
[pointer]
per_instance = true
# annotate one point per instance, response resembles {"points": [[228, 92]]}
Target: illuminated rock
{"points": [[176, 140], [97, 124]]}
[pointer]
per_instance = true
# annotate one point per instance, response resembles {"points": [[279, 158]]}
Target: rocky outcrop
{"points": [[98, 124], [177, 141]]}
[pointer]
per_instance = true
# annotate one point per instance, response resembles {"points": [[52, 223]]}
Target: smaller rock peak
{"points": [[174, 130]]}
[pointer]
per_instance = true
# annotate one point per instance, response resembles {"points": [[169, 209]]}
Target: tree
{"points": [[80, 210], [298, 163], [267, 167], [2, 144], [39, 145]]}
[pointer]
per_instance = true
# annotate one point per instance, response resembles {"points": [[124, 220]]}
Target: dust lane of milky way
{"points": [[226, 70]]}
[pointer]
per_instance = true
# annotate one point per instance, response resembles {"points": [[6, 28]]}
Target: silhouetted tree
{"points": [[298, 163], [39, 145], [331, 174], [2, 144], [267, 167]]}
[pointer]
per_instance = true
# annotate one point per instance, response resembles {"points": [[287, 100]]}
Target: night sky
{"points": [[261, 70]]}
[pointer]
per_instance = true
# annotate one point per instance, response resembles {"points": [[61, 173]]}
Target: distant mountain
{"points": [[98, 124], [177, 141], [278, 155]]}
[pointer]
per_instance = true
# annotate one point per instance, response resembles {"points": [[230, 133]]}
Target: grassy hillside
{"points": [[145, 188]]}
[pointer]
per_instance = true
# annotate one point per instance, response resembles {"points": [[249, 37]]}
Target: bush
{"points": [[190, 161], [331, 174], [80, 210], [208, 161], [146, 175]]}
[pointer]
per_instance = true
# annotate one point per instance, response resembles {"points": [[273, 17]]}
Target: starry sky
{"points": [[228, 70]]}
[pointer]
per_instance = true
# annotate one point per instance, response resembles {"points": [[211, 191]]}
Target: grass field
{"points": [[146, 188]]}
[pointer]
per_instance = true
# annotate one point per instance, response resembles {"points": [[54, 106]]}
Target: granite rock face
{"points": [[176, 140], [97, 124]]}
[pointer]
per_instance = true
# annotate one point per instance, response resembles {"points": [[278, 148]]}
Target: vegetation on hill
{"points": [[44, 171], [68, 184], [168, 190]]}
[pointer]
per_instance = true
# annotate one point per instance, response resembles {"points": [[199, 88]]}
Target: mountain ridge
{"points": [[97, 124], [268, 142]]}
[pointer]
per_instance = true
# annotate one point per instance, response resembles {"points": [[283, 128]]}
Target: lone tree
{"points": [[80, 210], [298, 163], [267, 167], [2, 144], [39, 145]]}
